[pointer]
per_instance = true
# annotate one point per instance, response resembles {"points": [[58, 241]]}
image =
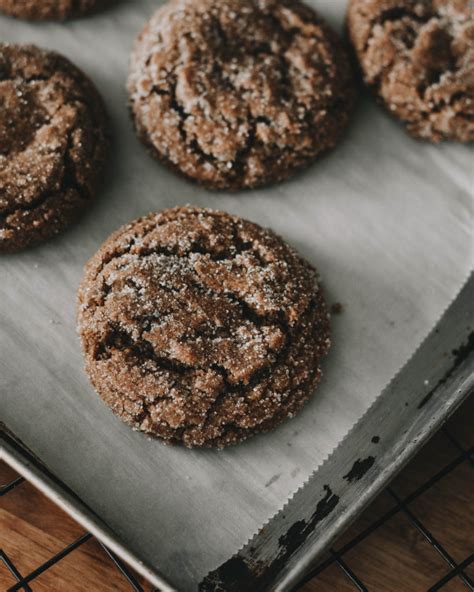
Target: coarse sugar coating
{"points": [[236, 94], [54, 10], [200, 327], [418, 58], [52, 144]]}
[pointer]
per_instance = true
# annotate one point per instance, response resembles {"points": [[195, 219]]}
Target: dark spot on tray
{"points": [[292, 533], [300, 530], [463, 351], [235, 573], [376, 439], [459, 355], [247, 575], [359, 469]]}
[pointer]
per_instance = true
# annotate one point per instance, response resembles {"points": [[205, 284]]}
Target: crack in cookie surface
{"points": [[418, 57], [52, 144], [190, 337], [239, 93]]}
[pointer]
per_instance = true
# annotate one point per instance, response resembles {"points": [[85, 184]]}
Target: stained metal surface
{"points": [[411, 408]]}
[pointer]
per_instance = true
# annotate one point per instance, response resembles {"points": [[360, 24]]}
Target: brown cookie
{"points": [[239, 93], [418, 57], [200, 327], [52, 144], [54, 10]]}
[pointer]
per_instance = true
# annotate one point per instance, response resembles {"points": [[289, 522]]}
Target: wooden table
{"points": [[395, 557]]}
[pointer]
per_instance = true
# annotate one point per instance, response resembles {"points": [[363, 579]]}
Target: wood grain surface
{"points": [[395, 557]]}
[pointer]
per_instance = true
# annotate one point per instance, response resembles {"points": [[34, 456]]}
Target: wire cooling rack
{"points": [[337, 555]]}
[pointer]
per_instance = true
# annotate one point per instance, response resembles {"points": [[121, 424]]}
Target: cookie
{"points": [[239, 93], [54, 10], [418, 58], [201, 328], [52, 144]]}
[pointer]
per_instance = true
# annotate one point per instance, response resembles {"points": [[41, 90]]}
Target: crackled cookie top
{"points": [[200, 327], [56, 10], [418, 56], [239, 93], [52, 144]]}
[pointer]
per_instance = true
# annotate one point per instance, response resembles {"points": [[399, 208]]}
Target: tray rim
{"points": [[15, 454], [297, 572]]}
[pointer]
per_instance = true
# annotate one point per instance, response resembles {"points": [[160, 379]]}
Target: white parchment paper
{"points": [[386, 219]]}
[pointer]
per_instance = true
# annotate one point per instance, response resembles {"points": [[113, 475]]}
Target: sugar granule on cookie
{"points": [[52, 144], [201, 328], [236, 94], [418, 58]]}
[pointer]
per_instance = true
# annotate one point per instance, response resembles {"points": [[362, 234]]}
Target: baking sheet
{"points": [[386, 219]]}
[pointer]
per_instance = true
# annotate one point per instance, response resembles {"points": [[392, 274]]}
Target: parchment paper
{"points": [[387, 221]]}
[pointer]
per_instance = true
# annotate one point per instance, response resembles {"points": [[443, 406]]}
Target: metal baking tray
{"points": [[387, 221]]}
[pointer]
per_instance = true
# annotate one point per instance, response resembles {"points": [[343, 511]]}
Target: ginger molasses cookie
{"points": [[200, 327], [52, 144], [418, 57], [55, 10], [239, 93]]}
